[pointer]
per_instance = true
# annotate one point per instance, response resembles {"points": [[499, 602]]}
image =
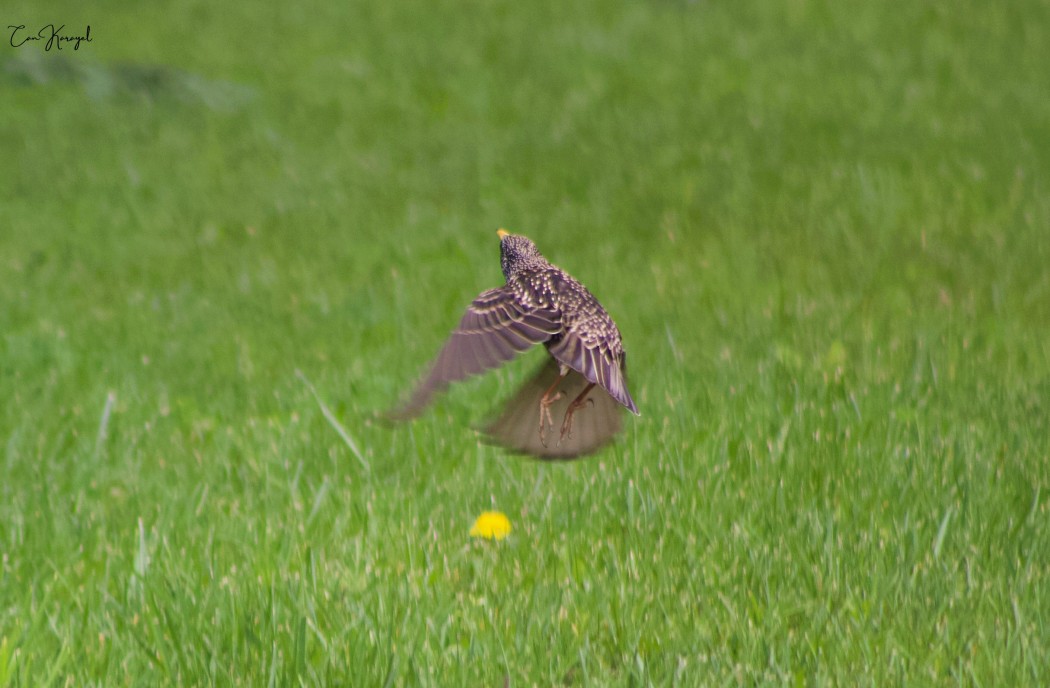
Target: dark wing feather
{"points": [[596, 362], [495, 328], [594, 425]]}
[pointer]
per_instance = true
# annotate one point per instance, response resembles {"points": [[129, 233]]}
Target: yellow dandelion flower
{"points": [[491, 524]]}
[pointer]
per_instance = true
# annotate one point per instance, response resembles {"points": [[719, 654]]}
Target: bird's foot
{"points": [[566, 425], [546, 421]]}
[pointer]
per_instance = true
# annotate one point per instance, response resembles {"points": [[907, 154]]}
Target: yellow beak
{"points": [[502, 233]]}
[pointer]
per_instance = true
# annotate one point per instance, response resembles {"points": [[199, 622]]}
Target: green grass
{"points": [[822, 228]]}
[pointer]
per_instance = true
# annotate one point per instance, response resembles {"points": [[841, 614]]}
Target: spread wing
{"points": [[517, 427], [594, 357], [495, 329]]}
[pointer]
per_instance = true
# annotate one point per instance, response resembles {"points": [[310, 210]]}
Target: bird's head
{"points": [[517, 253]]}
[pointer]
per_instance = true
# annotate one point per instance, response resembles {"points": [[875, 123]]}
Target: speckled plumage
{"points": [[539, 304], [588, 340]]}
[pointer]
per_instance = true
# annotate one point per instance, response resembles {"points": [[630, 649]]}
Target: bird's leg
{"points": [[577, 403], [546, 401]]}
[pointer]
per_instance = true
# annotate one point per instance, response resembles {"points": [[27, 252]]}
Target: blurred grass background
{"points": [[822, 229]]}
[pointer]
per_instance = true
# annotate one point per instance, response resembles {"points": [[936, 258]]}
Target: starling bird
{"points": [[583, 383]]}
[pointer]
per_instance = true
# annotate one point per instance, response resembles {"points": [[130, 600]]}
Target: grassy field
{"points": [[823, 228]]}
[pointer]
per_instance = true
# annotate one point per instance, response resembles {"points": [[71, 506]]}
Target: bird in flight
{"points": [[583, 382]]}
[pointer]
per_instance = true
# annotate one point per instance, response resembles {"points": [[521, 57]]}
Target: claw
{"points": [[547, 400], [577, 403], [545, 415], [566, 428]]}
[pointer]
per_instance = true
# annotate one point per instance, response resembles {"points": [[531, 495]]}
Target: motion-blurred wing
{"points": [[495, 328], [594, 425]]}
